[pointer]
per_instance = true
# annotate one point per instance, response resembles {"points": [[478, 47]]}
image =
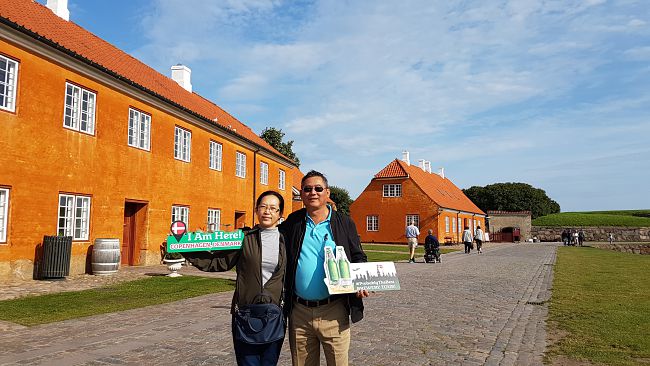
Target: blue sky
{"points": [[551, 93]]}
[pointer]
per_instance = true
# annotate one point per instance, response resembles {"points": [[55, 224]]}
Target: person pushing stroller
{"points": [[431, 248]]}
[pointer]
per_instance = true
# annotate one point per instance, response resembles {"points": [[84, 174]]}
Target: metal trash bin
{"points": [[57, 251]]}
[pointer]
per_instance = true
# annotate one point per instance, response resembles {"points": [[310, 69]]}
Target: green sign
{"points": [[199, 241]]}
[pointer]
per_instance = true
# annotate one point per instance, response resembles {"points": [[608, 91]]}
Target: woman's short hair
{"points": [[271, 193]]}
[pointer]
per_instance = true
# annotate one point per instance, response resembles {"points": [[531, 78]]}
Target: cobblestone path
{"points": [[471, 309]]}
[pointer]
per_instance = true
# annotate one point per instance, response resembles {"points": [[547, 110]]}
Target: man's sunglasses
{"points": [[308, 189]]}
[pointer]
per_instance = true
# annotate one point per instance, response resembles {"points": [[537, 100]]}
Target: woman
{"points": [[261, 263]]}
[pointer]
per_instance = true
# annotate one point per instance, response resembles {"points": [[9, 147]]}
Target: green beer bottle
{"points": [[331, 266], [344, 264]]}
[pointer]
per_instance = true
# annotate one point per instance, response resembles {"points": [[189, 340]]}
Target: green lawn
{"points": [[377, 252], [602, 218], [50, 308], [601, 298]]}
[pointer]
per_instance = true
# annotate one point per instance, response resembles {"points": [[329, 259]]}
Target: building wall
{"points": [[500, 221], [392, 212], [42, 159]]}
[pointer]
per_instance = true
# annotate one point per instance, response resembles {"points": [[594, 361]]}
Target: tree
{"points": [[274, 137], [341, 198], [512, 197]]}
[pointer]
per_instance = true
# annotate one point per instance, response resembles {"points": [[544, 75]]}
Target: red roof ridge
{"points": [[394, 169]]}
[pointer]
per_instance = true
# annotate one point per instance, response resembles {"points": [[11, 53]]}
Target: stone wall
{"points": [[636, 248], [594, 233]]}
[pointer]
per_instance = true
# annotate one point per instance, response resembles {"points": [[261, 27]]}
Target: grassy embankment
{"points": [[633, 218], [33, 310], [394, 253], [601, 304]]}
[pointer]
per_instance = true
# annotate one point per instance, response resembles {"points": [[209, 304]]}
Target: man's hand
{"points": [[362, 293]]}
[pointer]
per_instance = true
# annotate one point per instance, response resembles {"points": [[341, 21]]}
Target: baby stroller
{"points": [[432, 251]]}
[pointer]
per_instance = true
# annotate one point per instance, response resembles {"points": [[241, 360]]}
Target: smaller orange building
{"points": [[402, 193]]}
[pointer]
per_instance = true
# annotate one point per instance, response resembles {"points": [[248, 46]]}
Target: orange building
{"points": [[96, 144], [402, 193]]}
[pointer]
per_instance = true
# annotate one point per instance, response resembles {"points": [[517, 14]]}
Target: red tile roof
{"points": [[42, 24], [392, 170], [441, 190]]}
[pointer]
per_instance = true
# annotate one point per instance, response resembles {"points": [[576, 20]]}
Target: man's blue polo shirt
{"points": [[310, 274]]}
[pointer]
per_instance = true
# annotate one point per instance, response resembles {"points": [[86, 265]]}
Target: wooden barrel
{"points": [[106, 256]]}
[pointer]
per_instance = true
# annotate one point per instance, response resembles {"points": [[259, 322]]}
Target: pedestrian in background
{"points": [[412, 233], [467, 239], [478, 237]]}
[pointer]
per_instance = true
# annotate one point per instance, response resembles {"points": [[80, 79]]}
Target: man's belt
{"points": [[316, 303]]}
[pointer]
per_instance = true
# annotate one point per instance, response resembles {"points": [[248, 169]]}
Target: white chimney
{"points": [[427, 166], [182, 75], [421, 164], [60, 8], [405, 157], [441, 172]]}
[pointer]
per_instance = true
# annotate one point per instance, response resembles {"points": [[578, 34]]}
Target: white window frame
{"points": [[79, 109], [264, 173], [281, 179], [181, 213], [240, 164], [453, 224], [8, 84], [4, 214], [216, 155], [73, 218], [214, 217], [392, 190], [139, 134], [413, 218], [446, 224], [460, 225], [182, 144], [372, 223]]}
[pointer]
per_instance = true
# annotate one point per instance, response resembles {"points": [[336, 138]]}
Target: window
{"points": [[139, 129], [460, 225], [182, 144], [215, 155], [240, 165], [74, 216], [414, 219], [214, 219], [4, 213], [474, 227], [446, 224], [181, 213], [372, 223], [281, 179], [8, 82], [264, 173], [453, 224], [79, 113], [392, 190]]}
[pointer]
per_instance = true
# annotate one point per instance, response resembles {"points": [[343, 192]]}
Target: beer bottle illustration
{"points": [[332, 268], [343, 266]]}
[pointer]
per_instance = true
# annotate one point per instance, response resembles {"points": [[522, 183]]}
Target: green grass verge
{"points": [[592, 219], [601, 299], [394, 253], [50, 308]]}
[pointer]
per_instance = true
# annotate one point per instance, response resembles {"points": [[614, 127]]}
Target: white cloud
{"points": [[500, 83]]}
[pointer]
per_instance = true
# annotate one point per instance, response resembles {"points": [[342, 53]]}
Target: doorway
{"points": [[240, 219], [134, 225]]}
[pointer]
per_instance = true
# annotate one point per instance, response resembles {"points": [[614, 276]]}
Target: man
{"points": [[315, 318], [432, 246], [412, 233], [478, 237]]}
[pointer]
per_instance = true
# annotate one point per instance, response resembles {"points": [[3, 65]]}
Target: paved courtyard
{"points": [[468, 310]]}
